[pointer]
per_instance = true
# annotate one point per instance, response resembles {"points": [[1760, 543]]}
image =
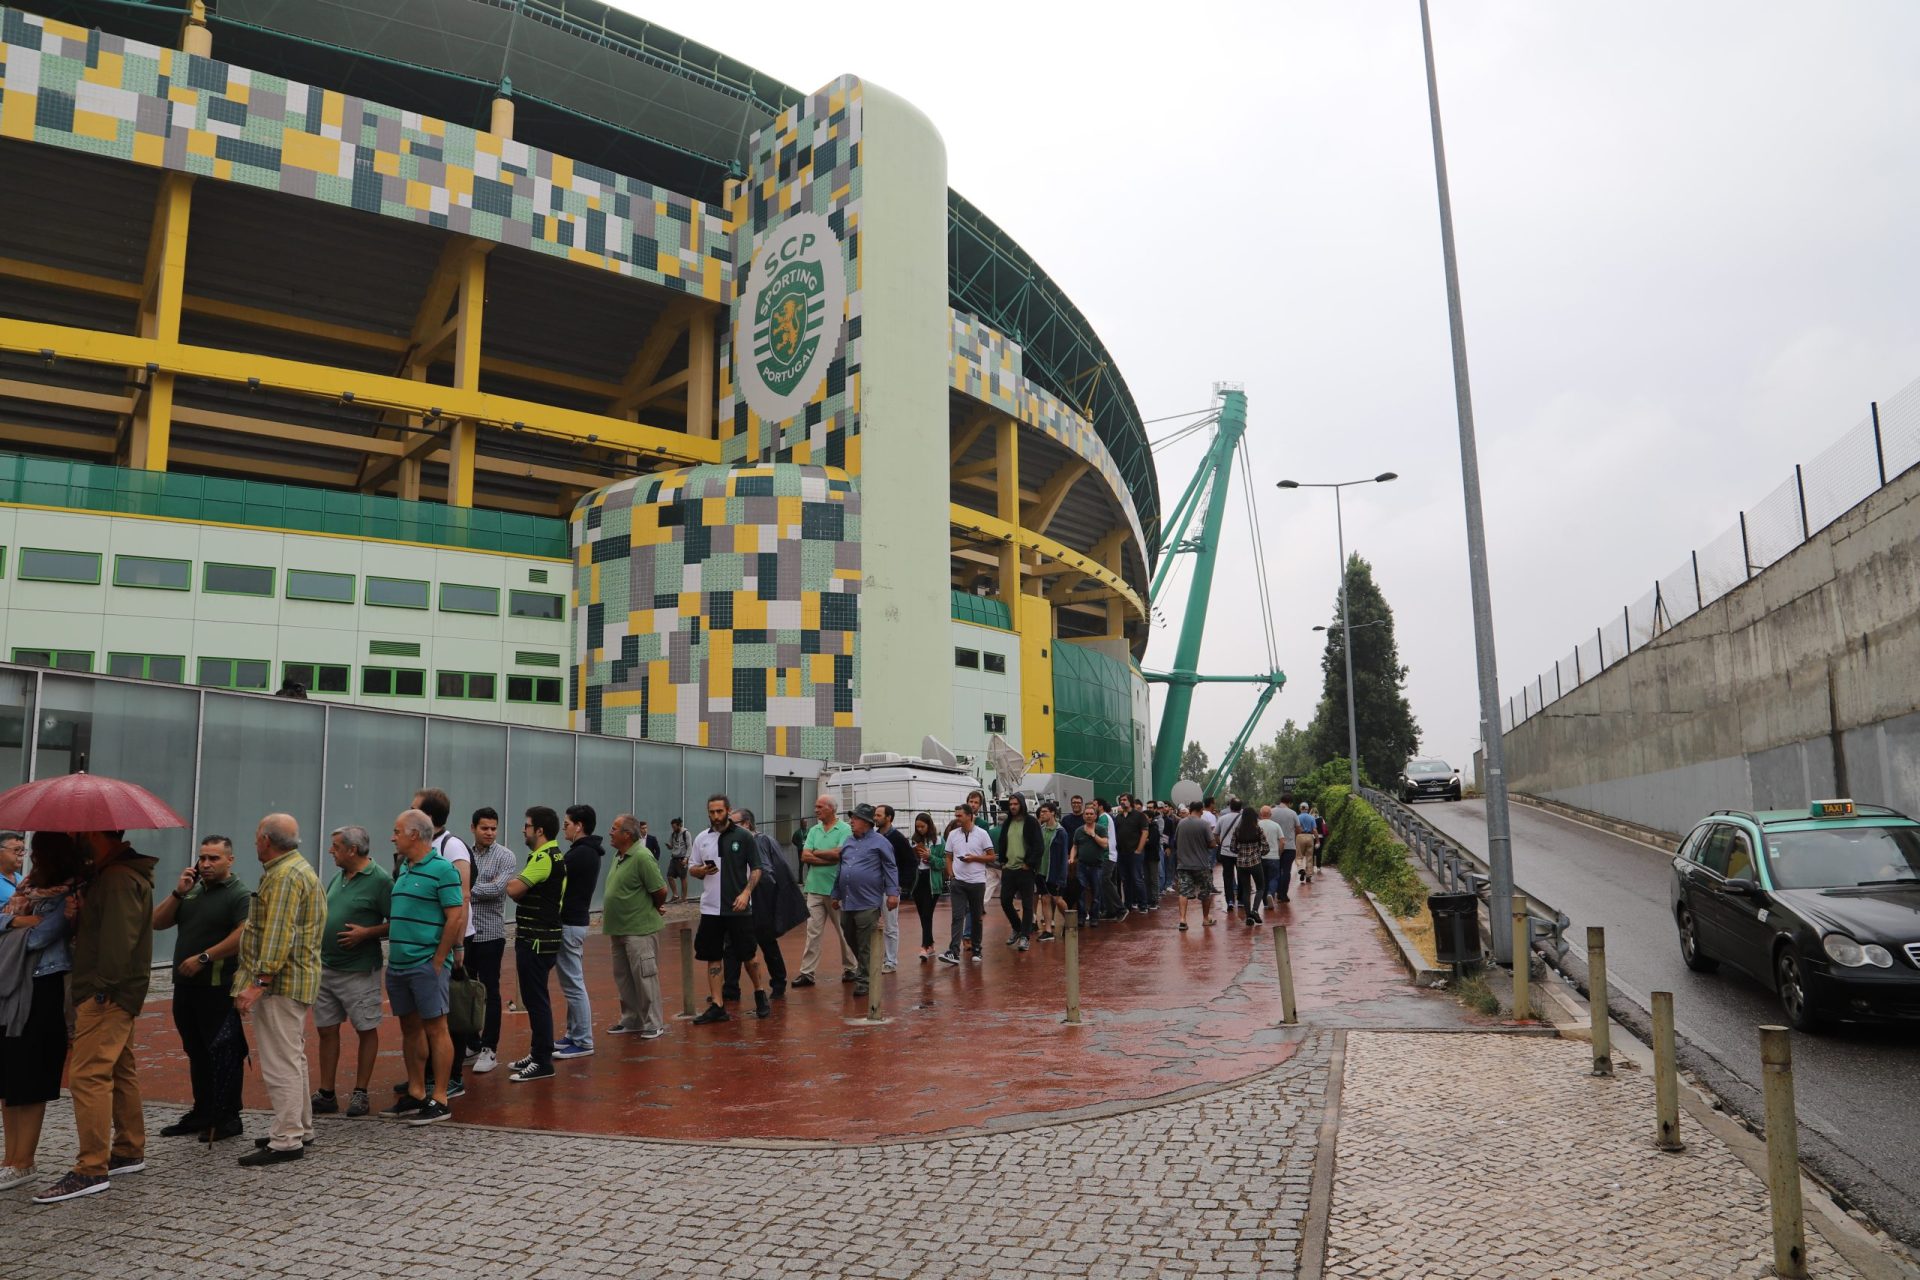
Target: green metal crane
{"points": [[1274, 682], [1205, 494]]}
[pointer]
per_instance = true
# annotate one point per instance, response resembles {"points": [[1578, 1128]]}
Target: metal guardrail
{"points": [[1459, 870]]}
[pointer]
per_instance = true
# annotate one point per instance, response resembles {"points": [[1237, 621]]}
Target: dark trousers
{"points": [[1150, 878], [969, 906], [532, 969], [1091, 875], [1016, 885], [1250, 882], [198, 1014], [1229, 871], [769, 952], [483, 961], [856, 930], [923, 901]]}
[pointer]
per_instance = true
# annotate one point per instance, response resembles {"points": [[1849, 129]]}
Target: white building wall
{"points": [[978, 692]]}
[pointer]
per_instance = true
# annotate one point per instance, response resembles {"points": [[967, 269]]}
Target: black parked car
{"points": [[1428, 780], [1822, 905]]}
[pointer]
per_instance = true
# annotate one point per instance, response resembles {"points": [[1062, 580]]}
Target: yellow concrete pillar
{"points": [[466, 376], [1006, 453], [501, 120], [1033, 619], [195, 38], [701, 364], [159, 317]]}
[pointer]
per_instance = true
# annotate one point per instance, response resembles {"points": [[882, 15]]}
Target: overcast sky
{"points": [[1688, 248]]}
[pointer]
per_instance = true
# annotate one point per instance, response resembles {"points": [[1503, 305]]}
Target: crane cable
{"points": [[1181, 433], [1259, 555]]}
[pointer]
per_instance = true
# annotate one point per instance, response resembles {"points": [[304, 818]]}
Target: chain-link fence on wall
{"points": [[1880, 448]]}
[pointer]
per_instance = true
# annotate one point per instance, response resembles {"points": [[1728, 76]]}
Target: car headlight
{"points": [[1843, 950]]}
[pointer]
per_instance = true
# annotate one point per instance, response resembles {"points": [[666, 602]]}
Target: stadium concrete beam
{"points": [[449, 312], [1046, 504], [971, 432], [161, 289], [380, 391], [642, 383], [991, 528]]}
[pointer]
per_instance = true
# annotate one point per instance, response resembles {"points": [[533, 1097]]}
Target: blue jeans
{"points": [[1279, 872], [570, 965], [1127, 866], [1091, 875]]}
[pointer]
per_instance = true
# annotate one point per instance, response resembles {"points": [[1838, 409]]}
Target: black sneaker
{"points": [[520, 1064], [762, 1005], [431, 1113], [455, 1088], [261, 1144], [223, 1130], [125, 1164], [804, 980], [186, 1125], [325, 1103], [263, 1156], [533, 1071], [849, 975], [948, 957], [714, 1013], [779, 991], [71, 1187], [403, 1107], [859, 988]]}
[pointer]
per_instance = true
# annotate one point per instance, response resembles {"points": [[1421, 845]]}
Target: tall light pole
{"points": [[1499, 837], [1346, 622]]}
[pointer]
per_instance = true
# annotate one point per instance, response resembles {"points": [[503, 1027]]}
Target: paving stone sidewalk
{"points": [[1468, 1156]]}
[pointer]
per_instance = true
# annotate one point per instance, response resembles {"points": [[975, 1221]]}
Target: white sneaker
{"points": [[11, 1177], [651, 1033], [887, 968], [486, 1062]]}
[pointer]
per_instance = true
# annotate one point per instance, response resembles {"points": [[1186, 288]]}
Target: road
{"points": [[1858, 1088]]}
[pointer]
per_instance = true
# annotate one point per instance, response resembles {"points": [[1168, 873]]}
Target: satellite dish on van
{"points": [[933, 749], [1185, 792]]}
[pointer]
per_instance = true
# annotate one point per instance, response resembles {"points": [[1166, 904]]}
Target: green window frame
{"points": [[458, 597], [49, 564], [540, 690], [55, 659], [170, 667], [233, 673], [543, 605], [222, 579], [397, 593], [393, 682], [319, 677], [320, 585], [153, 573], [470, 686], [3, 562]]}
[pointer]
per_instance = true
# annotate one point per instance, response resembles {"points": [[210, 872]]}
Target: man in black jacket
{"points": [[576, 907], [776, 880], [908, 863], [1020, 849]]}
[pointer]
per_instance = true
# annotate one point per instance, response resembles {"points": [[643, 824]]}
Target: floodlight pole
{"points": [[1499, 836]]}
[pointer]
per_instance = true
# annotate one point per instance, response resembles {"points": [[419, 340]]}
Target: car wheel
{"points": [[1790, 977], [1697, 960]]}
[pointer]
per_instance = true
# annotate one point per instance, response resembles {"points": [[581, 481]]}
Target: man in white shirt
{"points": [[969, 854], [1289, 823]]}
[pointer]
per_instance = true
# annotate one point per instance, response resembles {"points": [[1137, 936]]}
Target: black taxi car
{"points": [[1822, 905]]}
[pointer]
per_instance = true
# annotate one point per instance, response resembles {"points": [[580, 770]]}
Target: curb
{"points": [[1652, 837], [1410, 957]]}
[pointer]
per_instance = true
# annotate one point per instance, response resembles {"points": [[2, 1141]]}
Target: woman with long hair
{"points": [[928, 878], [31, 1062]]}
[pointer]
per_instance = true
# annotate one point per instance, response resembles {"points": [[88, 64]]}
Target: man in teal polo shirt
{"points": [[424, 922], [820, 860], [358, 903]]}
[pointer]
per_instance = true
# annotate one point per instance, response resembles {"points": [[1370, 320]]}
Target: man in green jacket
{"points": [[112, 954]]}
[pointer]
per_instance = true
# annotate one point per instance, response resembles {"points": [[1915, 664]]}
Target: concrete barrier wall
{"points": [[1801, 684]]}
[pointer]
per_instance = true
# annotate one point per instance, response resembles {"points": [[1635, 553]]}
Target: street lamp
{"points": [[1346, 622]]}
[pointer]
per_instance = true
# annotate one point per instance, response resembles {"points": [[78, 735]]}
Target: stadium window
{"points": [[473, 686], [58, 659], [455, 598], [535, 604], [234, 673], [39, 565], [397, 593], [319, 677], [543, 690], [968, 658], [393, 682], [147, 666], [995, 662], [153, 572], [236, 580], [314, 584], [996, 723]]}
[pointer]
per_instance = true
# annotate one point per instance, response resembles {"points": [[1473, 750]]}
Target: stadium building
{"points": [[521, 361]]}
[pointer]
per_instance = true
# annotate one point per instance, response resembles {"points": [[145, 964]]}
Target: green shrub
{"points": [[1335, 772], [1361, 844]]}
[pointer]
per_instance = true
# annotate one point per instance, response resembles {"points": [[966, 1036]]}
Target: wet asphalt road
{"points": [[1857, 1088]]}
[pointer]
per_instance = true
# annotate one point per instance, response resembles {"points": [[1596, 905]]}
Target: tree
{"points": [[1289, 755], [1387, 731], [1193, 765]]}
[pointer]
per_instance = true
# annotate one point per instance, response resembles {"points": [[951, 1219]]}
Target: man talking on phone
{"points": [[207, 910]]}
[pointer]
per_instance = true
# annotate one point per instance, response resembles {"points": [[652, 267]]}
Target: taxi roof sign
{"points": [[1833, 808]]}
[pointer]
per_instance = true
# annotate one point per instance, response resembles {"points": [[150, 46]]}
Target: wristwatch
{"points": [[264, 980], [204, 958]]}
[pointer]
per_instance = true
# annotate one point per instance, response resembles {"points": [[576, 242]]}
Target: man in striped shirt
{"points": [[424, 923]]}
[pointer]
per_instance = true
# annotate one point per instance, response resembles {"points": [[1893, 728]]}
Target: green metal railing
{"points": [[85, 486]]}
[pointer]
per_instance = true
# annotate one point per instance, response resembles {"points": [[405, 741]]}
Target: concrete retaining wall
{"points": [[1800, 684]]}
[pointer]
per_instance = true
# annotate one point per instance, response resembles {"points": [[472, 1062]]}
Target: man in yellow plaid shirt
{"points": [[277, 980]]}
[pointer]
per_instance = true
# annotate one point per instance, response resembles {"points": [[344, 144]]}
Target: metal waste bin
{"points": [[1456, 927]]}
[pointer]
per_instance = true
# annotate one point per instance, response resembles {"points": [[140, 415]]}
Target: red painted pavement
{"points": [[974, 1047]]}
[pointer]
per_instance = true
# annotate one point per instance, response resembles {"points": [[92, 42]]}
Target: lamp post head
{"points": [[1385, 476], [1319, 628], [1287, 484]]}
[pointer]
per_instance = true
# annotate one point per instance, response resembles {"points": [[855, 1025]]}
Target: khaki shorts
{"points": [[348, 995]]}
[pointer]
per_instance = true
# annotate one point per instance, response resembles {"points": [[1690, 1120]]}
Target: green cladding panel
{"points": [[982, 611], [1093, 717]]}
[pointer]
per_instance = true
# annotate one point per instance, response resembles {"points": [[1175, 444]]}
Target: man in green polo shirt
{"points": [[630, 917], [358, 903], [208, 910], [820, 863]]}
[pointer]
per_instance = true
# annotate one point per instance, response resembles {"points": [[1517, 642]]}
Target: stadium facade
{"points": [[518, 360]]}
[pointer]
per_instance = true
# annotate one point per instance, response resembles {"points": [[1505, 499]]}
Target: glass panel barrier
{"points": [[260, 756], [136, 732], [373, 769]]}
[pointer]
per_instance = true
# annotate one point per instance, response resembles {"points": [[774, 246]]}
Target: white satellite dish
{"points": [[1185, 792], [933, 749], [1009, 766]]}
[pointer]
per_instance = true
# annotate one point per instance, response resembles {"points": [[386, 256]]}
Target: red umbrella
{"points": [[84, 802]]}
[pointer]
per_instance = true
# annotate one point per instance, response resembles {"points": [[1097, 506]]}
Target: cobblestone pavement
{"points": [[1212, 1185], [1468, 1156]]}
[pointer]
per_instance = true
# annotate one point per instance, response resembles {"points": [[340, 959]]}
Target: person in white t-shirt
{"points": [[969, 854]]}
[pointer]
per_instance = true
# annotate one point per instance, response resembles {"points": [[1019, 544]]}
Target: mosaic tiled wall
{"points": [[65, 86], [719, 607], [806, 161], [986, 365]]}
